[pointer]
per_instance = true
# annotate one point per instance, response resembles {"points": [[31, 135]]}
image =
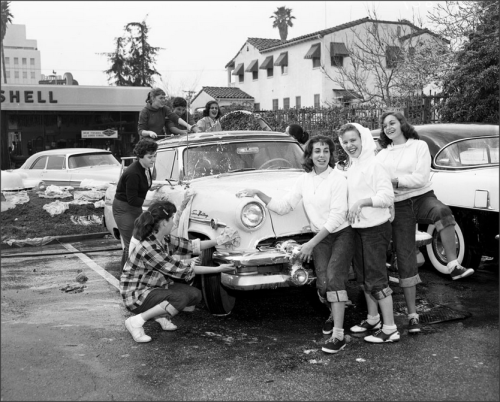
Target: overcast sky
{"points": [[198, 37]]}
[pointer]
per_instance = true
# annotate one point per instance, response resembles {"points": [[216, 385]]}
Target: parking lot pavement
{"points": [[73, 346]]}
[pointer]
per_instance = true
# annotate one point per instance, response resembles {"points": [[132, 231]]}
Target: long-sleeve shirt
{"points": [[411, 164], [206, 124], [133, 185], [367, 178], [153, 119], [152, 265], [187, 118], [324, 197]]}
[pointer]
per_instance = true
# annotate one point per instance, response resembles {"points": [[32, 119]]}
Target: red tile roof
{"points": [[223, 93]]}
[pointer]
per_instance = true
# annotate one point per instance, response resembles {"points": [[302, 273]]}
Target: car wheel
{"points": [[217, 298], [434, 252]]}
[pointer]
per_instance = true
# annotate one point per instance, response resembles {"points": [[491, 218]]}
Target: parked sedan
{"points": [[464, 173], [69, 166]]}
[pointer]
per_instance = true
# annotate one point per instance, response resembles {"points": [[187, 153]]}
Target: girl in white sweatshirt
{"points": [[370, 195], [323, 191], [408, 161]]}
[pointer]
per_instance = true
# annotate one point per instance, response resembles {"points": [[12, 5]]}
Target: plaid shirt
{"points": [[150, 266]]}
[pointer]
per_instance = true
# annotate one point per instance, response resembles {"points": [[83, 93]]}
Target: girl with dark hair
{"points": [[408, 161], [323, 191], [298, 133], [131, 191], [146, 283], [156, 115], [370, 197], [210, 120]]}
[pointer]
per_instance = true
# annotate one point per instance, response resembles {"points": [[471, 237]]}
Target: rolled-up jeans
{"points": [[425, 208], [332, 259], [125, 216]]}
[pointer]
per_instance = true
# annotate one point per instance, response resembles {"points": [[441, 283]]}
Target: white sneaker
{"points": [[166, 324], [136, 332]]}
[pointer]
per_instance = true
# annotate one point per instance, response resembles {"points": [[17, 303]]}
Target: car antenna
{"points": [[186, 164]]}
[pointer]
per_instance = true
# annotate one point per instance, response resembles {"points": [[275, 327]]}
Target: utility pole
{"points": [[189, 95]]}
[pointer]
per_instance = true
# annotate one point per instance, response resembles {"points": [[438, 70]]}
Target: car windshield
{"points": [[209, 160], [470, 152], [96, 159]]}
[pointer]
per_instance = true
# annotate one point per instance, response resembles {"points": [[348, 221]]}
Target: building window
{"points": [[241, 78], [297, 102], [16, 61], [32, 61], [270, 72], [275, 104], [7, 60], [337, 61], [255, 75], [16, 74], [316, 62], [25, 74], [286, 103], [24, 61], [32, 73], [7, 74], [316, 101], [284, 70], [256, 107]]}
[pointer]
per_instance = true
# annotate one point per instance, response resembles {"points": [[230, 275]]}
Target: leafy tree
{"points": [[282, 20], [472, 88], [132, 62], [6, 19]]}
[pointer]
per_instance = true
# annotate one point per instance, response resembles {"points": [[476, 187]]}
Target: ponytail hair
{"points": [[297, 132], [149, 221]]}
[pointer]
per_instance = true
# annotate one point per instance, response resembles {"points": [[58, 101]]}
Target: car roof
{"points": [[70, 151], [217, 136], [439, 135]]}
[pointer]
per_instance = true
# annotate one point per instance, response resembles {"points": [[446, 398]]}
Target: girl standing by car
{"points": [[370, 195], [156, 115], [146, 283], [210, 120], [323, 191], [408, 161], [131, 191]]}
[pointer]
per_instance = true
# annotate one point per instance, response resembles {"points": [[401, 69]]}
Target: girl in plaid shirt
{"points": [[146, 283]]}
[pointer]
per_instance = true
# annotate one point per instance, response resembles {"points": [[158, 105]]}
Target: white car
{"points": [[69, 166], [465, 175]]}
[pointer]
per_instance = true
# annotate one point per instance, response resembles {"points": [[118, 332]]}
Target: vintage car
{"points": [[69, 167], [464, 173], [215, 166]]}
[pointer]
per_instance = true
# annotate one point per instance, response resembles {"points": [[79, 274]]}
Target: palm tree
{"points": [[6, 19], [282, 20]]}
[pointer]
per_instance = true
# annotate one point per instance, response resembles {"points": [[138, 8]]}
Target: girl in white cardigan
{"points": [[408, 161], [323, 191], [370, 197]]}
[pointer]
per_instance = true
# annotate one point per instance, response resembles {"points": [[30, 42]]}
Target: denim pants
{"points": [[125, 216], [179, 295], [369, 259], [425, 208], [332, 259]]}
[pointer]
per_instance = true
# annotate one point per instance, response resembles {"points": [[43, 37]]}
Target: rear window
{"points": [[469, 153], [56, 162], [97, 159]]}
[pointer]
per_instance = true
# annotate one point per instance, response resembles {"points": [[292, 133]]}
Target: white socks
{"points": [[413, 315], [451, 265], [373, 319], [389, 329], [338, 333], [137, 321]]}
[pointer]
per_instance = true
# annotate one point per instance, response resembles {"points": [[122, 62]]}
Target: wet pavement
{"points": [[73, 346]]}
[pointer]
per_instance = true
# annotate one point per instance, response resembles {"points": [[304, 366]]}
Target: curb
{"points": [[60, 239]]}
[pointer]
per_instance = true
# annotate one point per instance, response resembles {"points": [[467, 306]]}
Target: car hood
{"points": [[216, 199]]}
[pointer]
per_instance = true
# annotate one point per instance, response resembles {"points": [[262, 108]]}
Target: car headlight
{"points": [[252, 215]]}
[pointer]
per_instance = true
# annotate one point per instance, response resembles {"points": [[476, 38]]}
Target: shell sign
{"points": [[100, 134]]}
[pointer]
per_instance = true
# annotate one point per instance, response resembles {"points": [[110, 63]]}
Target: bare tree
{"points": [[388, 63]]}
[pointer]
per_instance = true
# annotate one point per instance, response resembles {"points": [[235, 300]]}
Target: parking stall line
{"points": [[91, 264]]}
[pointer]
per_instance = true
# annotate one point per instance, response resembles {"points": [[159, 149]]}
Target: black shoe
{"points": [[414, 326], [333, 345], [328, 325], [461, 272], [382, 337], [364, 326]]}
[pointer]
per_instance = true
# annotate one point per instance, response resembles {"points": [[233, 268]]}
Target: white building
{"points": [[288, 74], [22, 57]]}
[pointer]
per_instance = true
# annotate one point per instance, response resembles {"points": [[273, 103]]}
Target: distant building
{"points": [[52, 79], [22, 57], [288, 74], [224, 96]]}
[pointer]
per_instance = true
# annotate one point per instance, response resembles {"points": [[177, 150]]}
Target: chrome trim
{"points": [[264, 215], [256, 282], [258, 258], [213, 223]]}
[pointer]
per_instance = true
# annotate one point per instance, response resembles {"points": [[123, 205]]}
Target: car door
{"points": [[36, 170], [56, 172]]}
